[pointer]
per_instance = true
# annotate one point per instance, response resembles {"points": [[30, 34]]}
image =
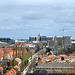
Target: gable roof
{"points": [[1, 68], [18, 60], [16, 67], [11, 72]]}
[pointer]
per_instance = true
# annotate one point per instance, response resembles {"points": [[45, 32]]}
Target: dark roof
{"points": [[54, 66], [40, 72], [49, 74], [4, 61]]}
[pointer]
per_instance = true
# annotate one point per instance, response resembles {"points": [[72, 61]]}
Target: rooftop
{"points": [[28, 44], [11, 72], [54, 66], [1, 68], [16, 67]]}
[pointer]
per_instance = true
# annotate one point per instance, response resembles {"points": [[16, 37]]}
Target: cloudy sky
{"points": [[24, 18]]}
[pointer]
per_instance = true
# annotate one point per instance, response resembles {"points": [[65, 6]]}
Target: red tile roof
{"points": [[73, 64], [1, 68], [28, 44], [63, 55], [1, 53], [16, 67], [11, 72], [51, 56], [71, 54]]}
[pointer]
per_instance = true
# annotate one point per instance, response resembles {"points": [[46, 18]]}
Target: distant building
{"points": [[73, 41], [67, 41], [3, 44], [61, 42], [40, 38], [7, 40], [19, 41], [29, 45], [33, 38], [54, 42], [59, 39]]}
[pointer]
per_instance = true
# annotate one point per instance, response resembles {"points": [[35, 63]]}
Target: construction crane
{"points": [[64, 30], [63, 35]]}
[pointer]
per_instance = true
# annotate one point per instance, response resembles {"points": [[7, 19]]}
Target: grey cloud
{"points": [[31, 17], [40, 15]]}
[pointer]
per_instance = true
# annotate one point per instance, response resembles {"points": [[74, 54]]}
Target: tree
{"points": [[38, 46], [48, 49], [45, 44]]}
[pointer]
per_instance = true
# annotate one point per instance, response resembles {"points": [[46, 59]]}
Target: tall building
{"points": [[67, 41]]}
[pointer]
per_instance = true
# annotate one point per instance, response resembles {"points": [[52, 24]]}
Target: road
{"points": [[29, 67]]}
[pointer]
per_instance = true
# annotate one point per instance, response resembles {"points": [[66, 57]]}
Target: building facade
{"points": [[53, 41], [40, 38], [7, 40]]}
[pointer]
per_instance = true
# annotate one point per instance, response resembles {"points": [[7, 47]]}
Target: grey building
{"points": [[55, 67], [48, 38], [67, 41], [60, 42], [40, 38], [53, 43], [59, 39], [32, 38]]}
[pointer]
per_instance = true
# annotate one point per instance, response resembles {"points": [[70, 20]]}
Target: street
{"points": [[30, 66]]}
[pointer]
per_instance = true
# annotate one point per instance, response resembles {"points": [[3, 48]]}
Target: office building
{"points": [[40, 38], [33, 38], [61, 42], [7, 40]]}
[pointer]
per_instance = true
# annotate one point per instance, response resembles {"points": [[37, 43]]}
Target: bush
{"points": [[14, 63], [25, 59]]}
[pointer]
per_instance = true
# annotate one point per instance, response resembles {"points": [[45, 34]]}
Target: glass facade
{"points": [[8, 40]]}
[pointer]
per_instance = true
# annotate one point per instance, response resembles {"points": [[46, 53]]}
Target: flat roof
{"points": [[33, 36], [6, 38], [4, 61], [54, 66]]}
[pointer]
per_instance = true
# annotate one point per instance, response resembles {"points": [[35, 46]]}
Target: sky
{"points": [[20, 19]]}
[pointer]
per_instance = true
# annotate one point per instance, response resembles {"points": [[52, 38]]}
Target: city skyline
{"points": [[21, 18]]}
